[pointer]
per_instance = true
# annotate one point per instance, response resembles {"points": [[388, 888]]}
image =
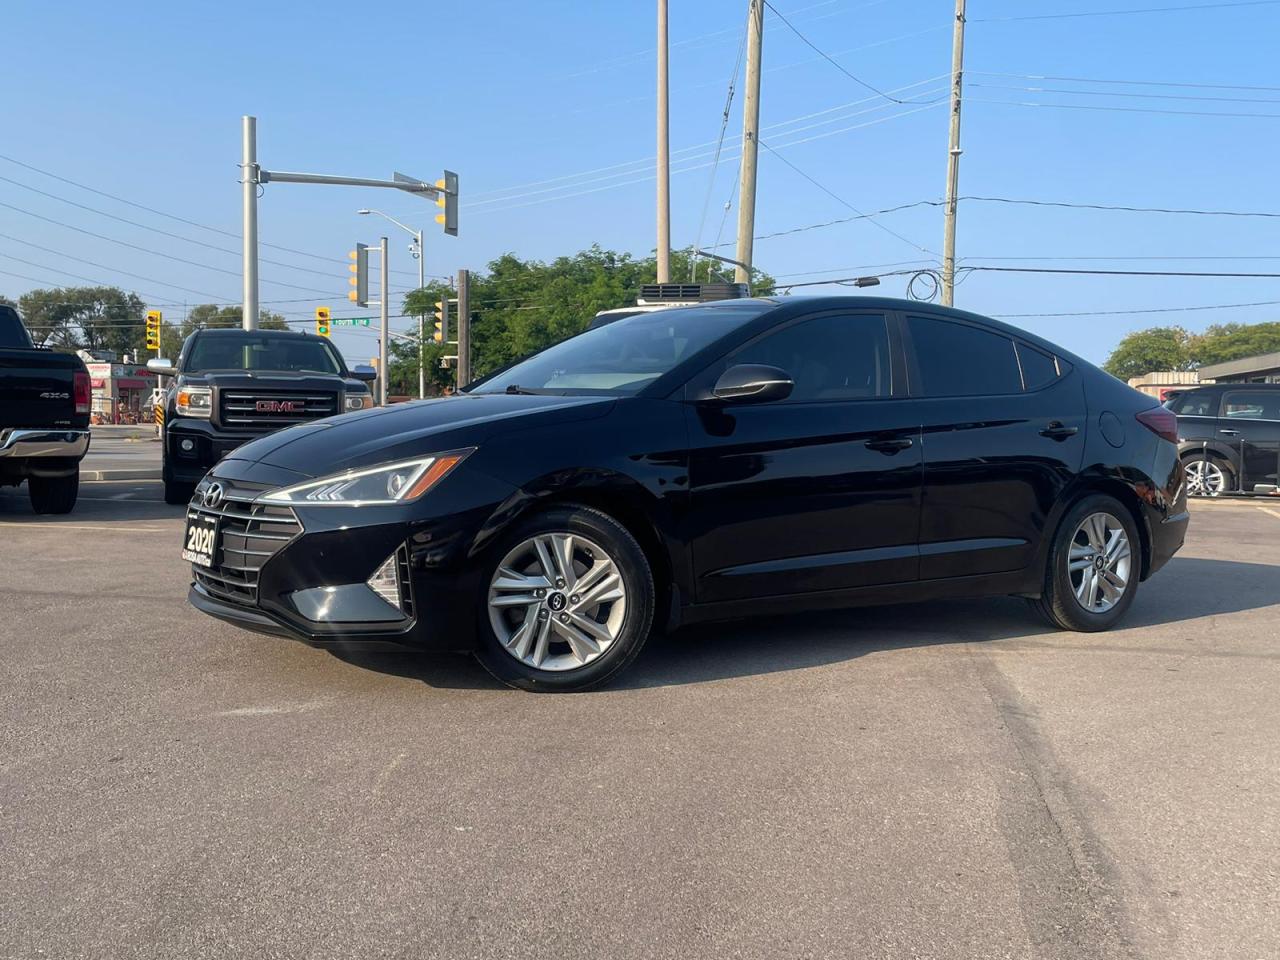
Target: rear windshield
{"points": [[12, 332], [263, 352]]}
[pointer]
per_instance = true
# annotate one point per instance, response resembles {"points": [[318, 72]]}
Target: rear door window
{"points": [[957, 360]]}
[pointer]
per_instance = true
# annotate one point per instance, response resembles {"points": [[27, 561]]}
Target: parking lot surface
{"points": [[942, 780]]}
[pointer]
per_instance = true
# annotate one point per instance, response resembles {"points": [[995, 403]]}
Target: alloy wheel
{"points": [[557, 602], [1205, 478], [1099, 562]]}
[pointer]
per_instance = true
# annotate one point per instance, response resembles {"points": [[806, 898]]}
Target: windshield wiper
{"points": [[523, 391]]}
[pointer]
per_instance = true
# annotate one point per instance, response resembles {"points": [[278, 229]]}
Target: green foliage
{"points": [[1173, 348], [92, 318], [1157, 348], [216, 317], [1231, 341], [521, 306]]}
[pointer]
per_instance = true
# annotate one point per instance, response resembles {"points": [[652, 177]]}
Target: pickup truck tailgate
{"points": [[37, 389]]}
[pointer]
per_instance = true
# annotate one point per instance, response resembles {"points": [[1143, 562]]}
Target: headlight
{"points": [[390, 483], [195, 401], [359, 401]]}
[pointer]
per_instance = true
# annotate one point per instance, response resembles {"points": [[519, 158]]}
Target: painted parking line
{"points": [[86, 526], [1274, 513]]}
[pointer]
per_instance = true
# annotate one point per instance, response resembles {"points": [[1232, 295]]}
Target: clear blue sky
{"points": [[143, 101]]}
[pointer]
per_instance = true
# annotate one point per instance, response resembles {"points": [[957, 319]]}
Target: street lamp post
{"points": [[420, 253]]}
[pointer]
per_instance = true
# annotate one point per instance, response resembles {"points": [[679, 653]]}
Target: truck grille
{"points": [[271, 409], [249, 534]]}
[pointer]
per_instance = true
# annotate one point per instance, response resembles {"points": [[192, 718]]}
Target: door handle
{"points": [[889, 445], [1057, 430], [1229, 433]]}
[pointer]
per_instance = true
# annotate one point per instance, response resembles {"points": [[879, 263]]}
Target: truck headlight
{"points": [[358, 401], [195, 402], [389, 483]]}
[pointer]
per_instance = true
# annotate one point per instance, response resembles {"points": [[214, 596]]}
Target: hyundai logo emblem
{"points": [[212, 496]]}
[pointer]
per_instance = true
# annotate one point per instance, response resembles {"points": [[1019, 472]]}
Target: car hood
{"points": [[356, 440], [269, 380]]}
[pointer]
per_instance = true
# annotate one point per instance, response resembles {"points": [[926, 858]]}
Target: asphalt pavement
{"points": [[946, 780], [122, 453]]}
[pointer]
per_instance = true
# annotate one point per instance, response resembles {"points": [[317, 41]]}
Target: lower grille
{"points": [[249, 534]]}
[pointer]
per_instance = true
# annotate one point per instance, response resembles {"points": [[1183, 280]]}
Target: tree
{"points": [[212, 316], [1157, 348], [521, 306], [1231, 341], [92, 318]]}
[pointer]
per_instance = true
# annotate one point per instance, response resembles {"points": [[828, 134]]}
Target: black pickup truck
{"points": [[231, 386], [44, 417]]}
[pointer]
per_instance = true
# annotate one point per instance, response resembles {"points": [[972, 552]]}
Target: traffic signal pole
{"points": [[384, 371], [422, 321], [252, 177]]}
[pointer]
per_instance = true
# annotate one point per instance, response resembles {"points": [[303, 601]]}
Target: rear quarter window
{"points": [[1039, 369]]}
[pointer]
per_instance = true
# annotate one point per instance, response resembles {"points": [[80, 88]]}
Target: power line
{"points": [[1135, 83], [1127, 209], [845, 203], [154, 253], [1117, 13], [1092, 106], [170, 216], [1116, 93], [1123, 273], [831, 60], [1105, 313]]}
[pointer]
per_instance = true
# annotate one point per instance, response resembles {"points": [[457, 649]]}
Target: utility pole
{"points": [[249, 192], [750, 144], [664, 152], [422, 321], [953, 162], [464, 328], [384, 298]]}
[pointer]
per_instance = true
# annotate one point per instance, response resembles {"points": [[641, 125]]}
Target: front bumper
{"points": [[334, 550]]}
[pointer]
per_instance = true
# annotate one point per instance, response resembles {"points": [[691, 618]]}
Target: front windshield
{"points": [[262, 352], [625, 356]]}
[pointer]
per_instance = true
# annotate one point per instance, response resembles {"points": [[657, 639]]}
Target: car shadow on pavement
{"points": [[98, 503], [1187, 589]]}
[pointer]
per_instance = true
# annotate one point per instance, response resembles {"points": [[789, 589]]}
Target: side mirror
{"points": [[161, 367], [753, 383], [365, 373]]}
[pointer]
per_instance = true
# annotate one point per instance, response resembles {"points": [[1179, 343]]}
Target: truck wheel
{"points": [[53, 494]]}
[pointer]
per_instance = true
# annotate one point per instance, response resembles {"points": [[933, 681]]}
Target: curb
{"points": [[119, 474]]}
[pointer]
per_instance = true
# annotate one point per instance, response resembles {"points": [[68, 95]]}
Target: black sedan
{"points": [[740, 458]]}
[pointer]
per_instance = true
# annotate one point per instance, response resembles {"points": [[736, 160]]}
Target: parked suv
{"points": [[233, 386], [1229, 437]]}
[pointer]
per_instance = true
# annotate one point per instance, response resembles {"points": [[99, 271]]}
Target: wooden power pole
{"points": [[750, 142], [953, 162]]}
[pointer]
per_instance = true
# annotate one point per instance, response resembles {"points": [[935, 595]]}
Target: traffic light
{"points": [[448, 198], [322, 321], [440, 316], [360, 279], [153, 329]]}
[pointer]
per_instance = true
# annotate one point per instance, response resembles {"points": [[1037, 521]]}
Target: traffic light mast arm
{"points": [[408, 184]]}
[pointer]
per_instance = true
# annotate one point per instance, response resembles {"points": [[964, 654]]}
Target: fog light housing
{"points": [[187, 446], [385, 581]]}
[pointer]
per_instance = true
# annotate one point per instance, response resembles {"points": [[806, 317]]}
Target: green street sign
{"points": [[351, 321]]}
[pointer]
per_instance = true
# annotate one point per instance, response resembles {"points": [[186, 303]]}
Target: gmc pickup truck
{"points": [[44, 418], [232, 386]]}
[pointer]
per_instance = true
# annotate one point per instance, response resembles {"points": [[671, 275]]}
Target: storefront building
{"points": [[1264, 368], [121, 392]]}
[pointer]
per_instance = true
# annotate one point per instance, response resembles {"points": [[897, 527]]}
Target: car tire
{"points": [[1069, 600], [175, 492], [535, 631], [1193, 465], [54, 494]]}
